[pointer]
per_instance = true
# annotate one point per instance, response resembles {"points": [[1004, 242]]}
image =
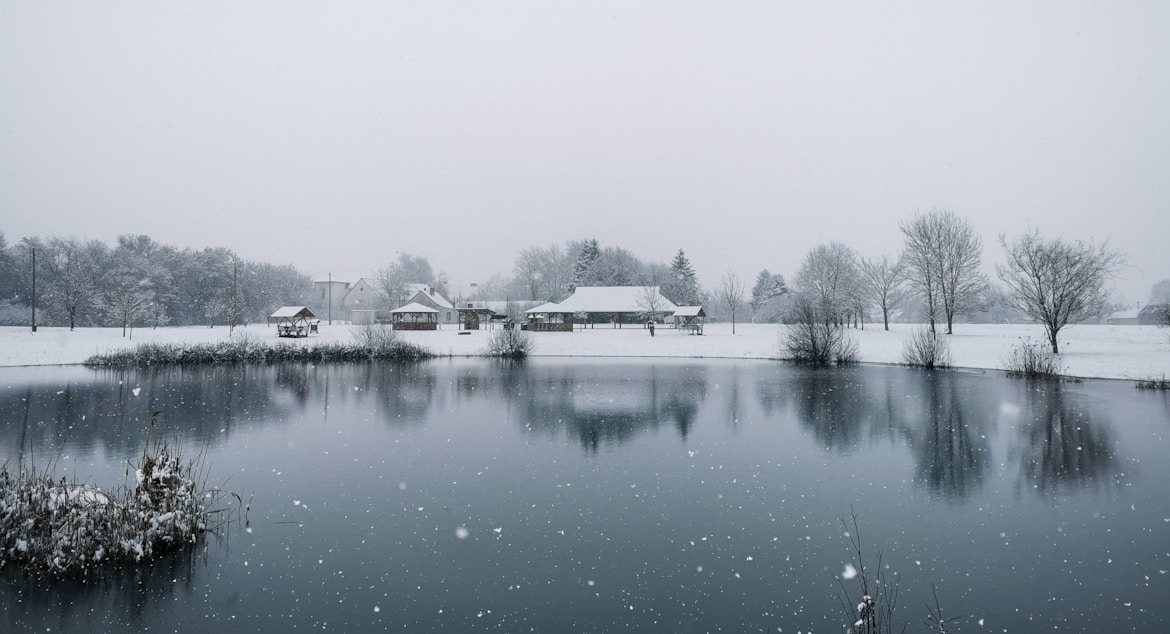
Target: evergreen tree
{"points": [[590, 252], [683, 288], [767, 286]]}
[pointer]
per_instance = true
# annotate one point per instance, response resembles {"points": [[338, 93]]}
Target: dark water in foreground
{"points": [[608, 495]]}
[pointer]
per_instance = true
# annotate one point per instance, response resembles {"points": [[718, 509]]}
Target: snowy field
{"points": [[1121, 352]]}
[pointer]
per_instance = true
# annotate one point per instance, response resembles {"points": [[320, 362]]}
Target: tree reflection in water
{"points": [[1062, 446], [946, 434], [833, 405]]}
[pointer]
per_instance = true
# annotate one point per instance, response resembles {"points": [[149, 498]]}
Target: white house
{"points": [[428, 296], [363, 295]]}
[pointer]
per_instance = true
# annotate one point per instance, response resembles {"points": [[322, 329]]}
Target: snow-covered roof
{"points": [[430, 293], [498, 306], [292, 311], [690, 311], [414, 307], [611, 299], [548, 307]]}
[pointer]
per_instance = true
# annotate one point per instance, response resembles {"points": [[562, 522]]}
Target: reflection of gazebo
{"points": [[691, 318], [294, 321], [415, 316]]}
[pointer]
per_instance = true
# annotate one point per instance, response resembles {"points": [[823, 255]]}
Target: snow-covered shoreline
{"points": [[1090, 351]]}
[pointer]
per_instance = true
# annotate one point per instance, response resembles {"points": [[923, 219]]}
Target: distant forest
{"points": [[140, 282]]}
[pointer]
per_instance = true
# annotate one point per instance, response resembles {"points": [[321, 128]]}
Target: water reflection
{"points": [[599, 407], [832, 405], [561, 474], [945, 427], [123, 599], [1065, 444]]}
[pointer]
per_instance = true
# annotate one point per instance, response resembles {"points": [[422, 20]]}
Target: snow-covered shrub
{"points": [[1154, 383], [374, 335], [509, 343], [925, 349], [381, 347], [55, 528], [816, 339], [1033, 361]]}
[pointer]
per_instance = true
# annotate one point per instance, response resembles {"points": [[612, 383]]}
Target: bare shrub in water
{"points": [[925, 349]]}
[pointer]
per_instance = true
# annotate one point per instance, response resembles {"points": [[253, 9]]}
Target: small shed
{"points": [[473, 313], [690, 318], [415, 316], [295, 321], [1154, 315], [362, 316]]}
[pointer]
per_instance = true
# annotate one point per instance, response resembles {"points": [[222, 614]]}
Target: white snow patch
{"points": [[1123, 352]]}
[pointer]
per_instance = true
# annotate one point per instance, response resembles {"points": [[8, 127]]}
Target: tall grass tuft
{"points": [[871, 610], [1154, 383], [371, 343], [54, 528], [925, 349], [1032, 361]]}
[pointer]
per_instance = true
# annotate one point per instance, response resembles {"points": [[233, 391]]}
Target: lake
{"points": [[602, 495]]}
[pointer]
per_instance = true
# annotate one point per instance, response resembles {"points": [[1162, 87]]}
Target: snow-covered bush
{"points": [[815, 338], [57, 528], [378, 346], [925, 349], [1032, 361], [1161, 383], [509, 343]]}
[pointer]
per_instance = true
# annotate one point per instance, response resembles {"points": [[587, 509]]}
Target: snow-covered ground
{"points": [[1124, 352]]}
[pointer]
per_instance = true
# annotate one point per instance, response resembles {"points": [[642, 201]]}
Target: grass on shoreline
{"points": [[1161, 383], [369, 345]]}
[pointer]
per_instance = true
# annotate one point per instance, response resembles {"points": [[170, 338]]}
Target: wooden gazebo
{"points": [[691, 318], [549, 317], [474, 313], [415, 316], [294, 321]]}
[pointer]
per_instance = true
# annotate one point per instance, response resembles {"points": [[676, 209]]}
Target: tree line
{"points": [[936, 277], [139, 282], [1052, 282]]}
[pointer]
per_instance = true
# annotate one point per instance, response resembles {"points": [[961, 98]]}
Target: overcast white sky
{"points": [[332, 135]]}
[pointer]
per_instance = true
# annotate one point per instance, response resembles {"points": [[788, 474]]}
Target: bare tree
{"points": [[943, 257], [652, 303], [73, 271], [829, 278], [544, 272], [1055, 282], [881, 284], [392, 288], [814, 337], [731, 295]]}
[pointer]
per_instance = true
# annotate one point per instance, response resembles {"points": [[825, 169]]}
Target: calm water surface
{"points": [[615, 495]]}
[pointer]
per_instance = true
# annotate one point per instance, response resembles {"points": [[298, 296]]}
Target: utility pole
{"points": [[235, 302], [34, 289], [330, 309]]}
